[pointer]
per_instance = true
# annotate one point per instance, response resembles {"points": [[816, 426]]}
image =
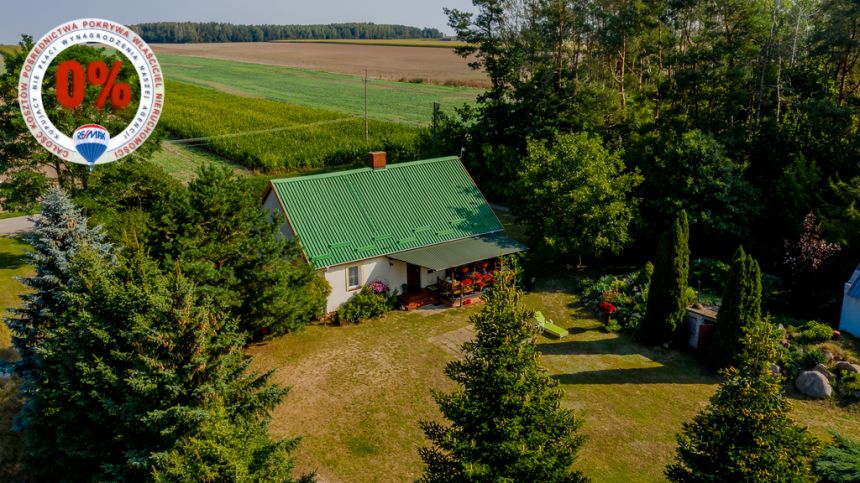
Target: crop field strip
{"points": [[274, 136], [395, 63], [429, 43], [402, 102]]}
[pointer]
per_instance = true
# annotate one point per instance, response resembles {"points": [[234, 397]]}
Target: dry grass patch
{"points": [[359, 391]]}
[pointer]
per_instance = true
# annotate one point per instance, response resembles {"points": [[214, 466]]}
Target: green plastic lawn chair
{"points": [[548, 326]]}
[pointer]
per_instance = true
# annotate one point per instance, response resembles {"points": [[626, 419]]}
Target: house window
{"points": [[352, 279]]}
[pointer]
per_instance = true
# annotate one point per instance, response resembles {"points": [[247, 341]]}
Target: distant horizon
{"points": [[22, 19]]}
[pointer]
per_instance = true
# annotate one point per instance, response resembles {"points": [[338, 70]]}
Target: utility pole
{"points": [[435, 119], [366, 131]]}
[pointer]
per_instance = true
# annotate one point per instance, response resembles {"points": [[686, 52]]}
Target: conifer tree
{"points": [[740, 309], [745, 433], [667, 295], [216, 232], [506, 423], [142, 378], [59, 233]]}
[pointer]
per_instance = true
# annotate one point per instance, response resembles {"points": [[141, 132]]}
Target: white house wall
{"points": [[392, 272], [430, 278], [270, 204]]}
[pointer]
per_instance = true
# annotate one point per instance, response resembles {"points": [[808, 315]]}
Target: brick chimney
{"points": [[377, 159]]}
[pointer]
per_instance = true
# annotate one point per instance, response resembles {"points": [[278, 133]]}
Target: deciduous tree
{"points": [[575, 196]]}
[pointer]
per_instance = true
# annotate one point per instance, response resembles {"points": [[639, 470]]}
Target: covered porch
{"points": [[454, 273]]}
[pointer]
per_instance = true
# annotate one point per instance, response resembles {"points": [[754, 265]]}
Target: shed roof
{"points": [[362, 213]]}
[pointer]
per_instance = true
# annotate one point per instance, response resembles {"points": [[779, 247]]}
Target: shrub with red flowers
{"points": [[620, 299], [606, 307]]}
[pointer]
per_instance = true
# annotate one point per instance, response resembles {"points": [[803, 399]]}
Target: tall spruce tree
{"points": [[506, 423], [216, 233], [141, 378], [740, 310], [59, 233], [667, 295], [745, 433]]}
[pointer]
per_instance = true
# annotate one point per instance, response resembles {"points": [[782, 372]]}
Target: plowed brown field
{"points": [[438, 66]]}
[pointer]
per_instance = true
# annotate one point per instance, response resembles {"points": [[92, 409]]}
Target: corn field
{"points": [[273, 136]]}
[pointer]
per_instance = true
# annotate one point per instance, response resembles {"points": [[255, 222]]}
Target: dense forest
{"points": [[745, 113], [189, 32]]}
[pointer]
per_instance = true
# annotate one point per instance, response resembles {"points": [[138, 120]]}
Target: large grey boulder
{"points": [[823, 370], [814, 384], [845, 366]]}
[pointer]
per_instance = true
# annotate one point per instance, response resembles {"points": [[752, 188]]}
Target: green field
{"points": [[434, 43], [401, 102], [275, 136]]}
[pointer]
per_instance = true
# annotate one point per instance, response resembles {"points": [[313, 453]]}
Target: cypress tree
{"points": [[506, 423], [745, 433], [666, 306], [141, 377], [740, 309]]}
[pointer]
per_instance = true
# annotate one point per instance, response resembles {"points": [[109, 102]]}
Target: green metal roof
{"points": [[461, 252], [352, 215]]}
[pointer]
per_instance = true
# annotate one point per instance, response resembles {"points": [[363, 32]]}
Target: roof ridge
{"points": [[361, 170]]}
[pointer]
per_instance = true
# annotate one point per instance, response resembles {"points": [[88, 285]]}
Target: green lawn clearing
{"points": [[12, 264], [358, 391], [401, 102]]}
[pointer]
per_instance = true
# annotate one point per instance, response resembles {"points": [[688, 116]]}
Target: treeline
{"points": [[190, 32], [744, 113]]}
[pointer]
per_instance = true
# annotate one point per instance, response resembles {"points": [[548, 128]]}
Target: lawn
{"points": [[358, 391], [402, 102], [12, 264]]}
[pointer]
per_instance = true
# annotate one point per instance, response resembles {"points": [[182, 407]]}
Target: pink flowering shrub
{"points": [[378, 286]]}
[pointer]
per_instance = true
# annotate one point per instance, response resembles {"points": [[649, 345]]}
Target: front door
{"points": [[413, 277]]}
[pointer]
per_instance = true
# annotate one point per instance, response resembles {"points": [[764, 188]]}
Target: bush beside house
{"points": [[373, 300]]}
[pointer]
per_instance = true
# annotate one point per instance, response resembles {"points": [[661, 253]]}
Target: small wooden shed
{"points": [[701, 320]]}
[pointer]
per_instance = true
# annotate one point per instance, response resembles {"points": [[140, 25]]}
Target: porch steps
{"points": [[412, 301]]}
